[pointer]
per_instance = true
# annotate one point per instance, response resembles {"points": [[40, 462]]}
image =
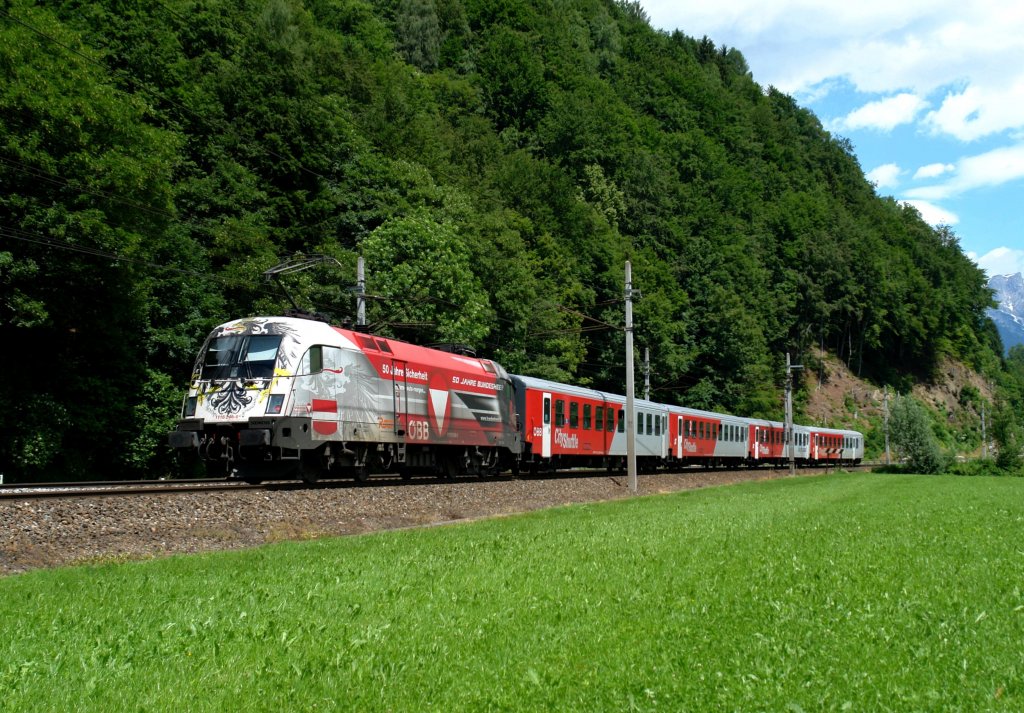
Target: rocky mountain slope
{"points": [[1009, 317]]}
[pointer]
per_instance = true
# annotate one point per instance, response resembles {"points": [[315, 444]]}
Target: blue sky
{"points": [[930, 93]]}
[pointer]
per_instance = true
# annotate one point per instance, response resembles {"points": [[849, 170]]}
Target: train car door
{"points": [[679, 437], [400, 396], [757, 443], [545, 444]]}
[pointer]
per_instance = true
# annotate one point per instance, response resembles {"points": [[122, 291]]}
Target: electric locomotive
{"points": [[281, 396]]}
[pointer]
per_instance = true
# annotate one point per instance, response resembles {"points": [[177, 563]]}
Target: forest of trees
{"points": [[494, 161]]}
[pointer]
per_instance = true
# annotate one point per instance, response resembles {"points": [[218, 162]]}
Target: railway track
{"points": [[38, 491]]}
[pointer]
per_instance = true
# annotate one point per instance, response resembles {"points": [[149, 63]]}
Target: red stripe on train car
{"points": [[324, 405]]}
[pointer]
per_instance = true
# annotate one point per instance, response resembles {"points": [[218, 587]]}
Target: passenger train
{"points": [[274, 397]]}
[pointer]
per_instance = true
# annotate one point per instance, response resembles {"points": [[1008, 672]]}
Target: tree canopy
{"points": [[495, 163]]}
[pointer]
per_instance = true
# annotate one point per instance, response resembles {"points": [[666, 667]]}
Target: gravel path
{"points": [[55, 532]]}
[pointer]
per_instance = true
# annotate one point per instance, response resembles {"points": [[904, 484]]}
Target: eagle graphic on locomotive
{"points": [[274, 397]]}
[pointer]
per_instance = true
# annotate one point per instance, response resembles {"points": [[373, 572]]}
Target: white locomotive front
{"points": [[261, 390]]}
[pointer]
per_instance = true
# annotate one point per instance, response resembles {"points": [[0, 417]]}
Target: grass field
{"points": [[848, 593]]}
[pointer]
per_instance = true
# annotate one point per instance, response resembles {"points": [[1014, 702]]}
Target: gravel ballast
{"points": [[39, 533]]}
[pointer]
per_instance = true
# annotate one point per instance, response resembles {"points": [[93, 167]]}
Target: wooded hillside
{"points": [[495, 162]]}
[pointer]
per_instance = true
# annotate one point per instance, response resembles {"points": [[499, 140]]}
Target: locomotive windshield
{"points": [[241, 357]]}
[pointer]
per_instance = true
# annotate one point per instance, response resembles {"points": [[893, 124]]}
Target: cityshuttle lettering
{"points": [[569, 442]]}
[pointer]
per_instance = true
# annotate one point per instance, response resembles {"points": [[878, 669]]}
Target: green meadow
{"points": [[843, 592]]}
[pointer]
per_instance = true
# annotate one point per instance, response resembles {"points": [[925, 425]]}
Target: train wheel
{"points": [[311, 466], [309, 474], [449, 466], [361, 473]]}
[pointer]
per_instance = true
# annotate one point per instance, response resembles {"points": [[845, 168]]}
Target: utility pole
{"points": [[789, 413], [888, 459], [630, 387], [647, 374], [360, 293]]}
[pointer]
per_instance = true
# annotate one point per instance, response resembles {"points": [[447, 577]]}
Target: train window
{"points": [[639, 424], [559, 412], [657, 425], [650, 426], [700, 430], [587, 409], [574, 415], [664, 425], [237, 355], [598, 418], [622, 421], [547, 410]]}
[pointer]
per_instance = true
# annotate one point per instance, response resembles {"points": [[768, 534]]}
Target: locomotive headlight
{"points": [[190, 407], [274, 404]]}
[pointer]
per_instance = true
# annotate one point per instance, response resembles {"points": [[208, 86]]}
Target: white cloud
{"points": [[992, 168], [965, 56], [1001, 261], [980, 110], [885, 114], [933, 214], [934, 170], [885, 176]]}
